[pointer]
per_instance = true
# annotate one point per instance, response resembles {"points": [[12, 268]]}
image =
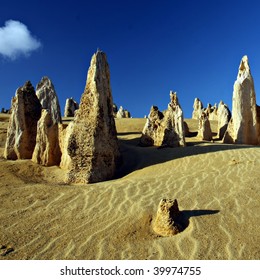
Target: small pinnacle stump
{"points": [[165, 223]]}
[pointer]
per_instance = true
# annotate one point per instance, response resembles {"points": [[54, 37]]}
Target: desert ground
{"points": [[216, 185]]}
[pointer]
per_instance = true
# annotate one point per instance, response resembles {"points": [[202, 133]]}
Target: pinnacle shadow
{"points": [[195, 213], [184, 217], [127, 133], [135, 157]]}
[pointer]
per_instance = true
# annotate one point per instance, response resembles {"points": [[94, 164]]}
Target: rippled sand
{"points": [[216, 185]]}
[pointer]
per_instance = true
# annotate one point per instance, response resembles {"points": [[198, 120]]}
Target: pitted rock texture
{"points": [[70, 107], [165, 129], [224, 116], [46, 93], [22, 129], [47, 149], [166, 222], [244, 127], [151, 128], [122, 113], [204, 130], [197, 109], [92, 144]]}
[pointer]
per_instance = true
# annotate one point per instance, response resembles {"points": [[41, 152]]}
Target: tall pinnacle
{"points": [[92, 145], [243, 127]]}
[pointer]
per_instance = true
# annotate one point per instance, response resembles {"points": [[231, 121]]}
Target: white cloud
{"points": [[16, 40]]}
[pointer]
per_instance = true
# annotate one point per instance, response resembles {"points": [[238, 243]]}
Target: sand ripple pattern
{"points": [[217, 189]]}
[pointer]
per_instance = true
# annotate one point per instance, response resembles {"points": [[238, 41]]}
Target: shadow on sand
{"points": [[135, 157], [185, 215]]}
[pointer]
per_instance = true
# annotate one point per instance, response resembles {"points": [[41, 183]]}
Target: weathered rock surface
{"points": [[47, 150], [152, 127], [22, 129], [46, 93], [64, 136], [197, 109], [212, 112], [114, 110], [165, 129], [122, 113], [70, 107], [224, 116], [166, 222], [244, 127], [92, 144], [204, 131], [127, 114], [173, 124]]}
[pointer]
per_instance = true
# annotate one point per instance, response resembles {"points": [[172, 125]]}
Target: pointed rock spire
{"points": [[244, 127], [165, 129], [22, 129], [197, 109], [224, 116], [70, 107], [46, 93], [244, 69], [204, 130], [47, 150], [92, 145]]}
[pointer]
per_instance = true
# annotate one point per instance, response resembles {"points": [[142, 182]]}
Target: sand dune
{"points": [[216, 187]]}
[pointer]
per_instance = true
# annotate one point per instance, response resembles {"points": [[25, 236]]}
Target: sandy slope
{"points": [[217, 187]]}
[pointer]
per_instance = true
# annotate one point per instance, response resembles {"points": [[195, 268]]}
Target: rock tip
{"points": [[99, 51]]}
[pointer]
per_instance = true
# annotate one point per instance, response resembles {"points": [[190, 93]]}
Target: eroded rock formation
{"points": [[70, 107], [47, 150], [152, 127], [127, 114], [22, 129], [197, 109], [224, 116], [46, 93], [92, 145], [165, 129], [204, 130], [167, 218], [174, 120], [244, 127], [64, 136], [122, 113], [212, 112], [114, 110]]}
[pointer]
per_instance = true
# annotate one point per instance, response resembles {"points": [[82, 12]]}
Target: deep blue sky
{"points": [[193, 47]]}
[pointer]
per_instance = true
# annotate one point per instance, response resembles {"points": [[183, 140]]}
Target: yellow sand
{"points": [[216, 185]]}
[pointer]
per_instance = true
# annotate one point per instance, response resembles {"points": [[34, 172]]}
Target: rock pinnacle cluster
{"points": [[87, 148], [165, 129]]}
